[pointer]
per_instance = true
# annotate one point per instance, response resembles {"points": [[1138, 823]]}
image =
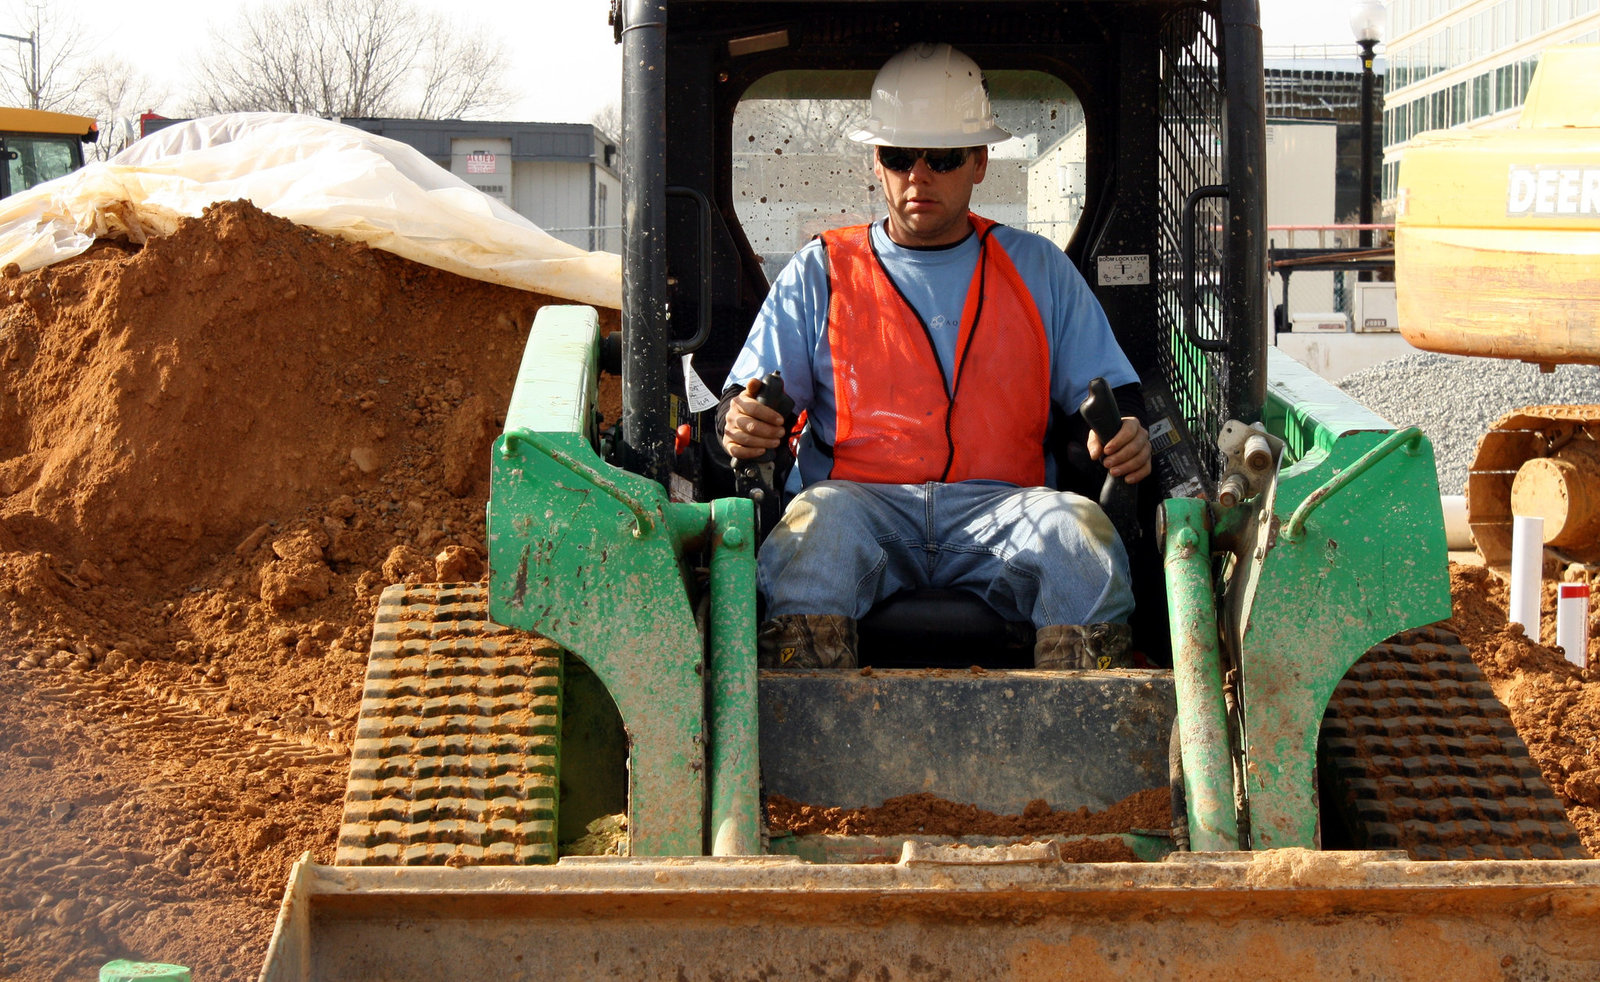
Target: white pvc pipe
{"points": [[1527, 572], [1572, 622], [1457, 533]]}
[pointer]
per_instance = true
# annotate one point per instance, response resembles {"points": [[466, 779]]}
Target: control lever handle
{"points": [[1118, 498], [772, 396], [761, 479]]}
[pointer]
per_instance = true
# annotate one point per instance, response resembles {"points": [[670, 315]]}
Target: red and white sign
{"points": [[480, 162]]}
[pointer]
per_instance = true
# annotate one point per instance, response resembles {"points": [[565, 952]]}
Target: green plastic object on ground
{"points": [[123, 970]]}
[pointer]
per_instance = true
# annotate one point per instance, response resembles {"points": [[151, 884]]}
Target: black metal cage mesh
{"points": [[1190, 146]]}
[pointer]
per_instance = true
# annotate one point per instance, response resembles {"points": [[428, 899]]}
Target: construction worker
{"points": [[928, 349]]}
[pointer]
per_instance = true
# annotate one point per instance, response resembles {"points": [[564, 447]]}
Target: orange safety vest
{"points": [[898, 422]]}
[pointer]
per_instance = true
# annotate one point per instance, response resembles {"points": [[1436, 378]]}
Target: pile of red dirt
{"points": [[215, 451]]}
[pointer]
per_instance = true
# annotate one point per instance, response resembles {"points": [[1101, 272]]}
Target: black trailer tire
{"points": [[1416, 753]]}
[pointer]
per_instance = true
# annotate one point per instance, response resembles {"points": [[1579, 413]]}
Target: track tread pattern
{"points": [[187, 710], [1419, 755], [456, 751]]}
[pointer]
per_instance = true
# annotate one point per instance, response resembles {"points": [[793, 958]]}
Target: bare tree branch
{"points": [[462, 76], [608, 120], [349, 58], [817, 124], [116, 94], [40, 75]]}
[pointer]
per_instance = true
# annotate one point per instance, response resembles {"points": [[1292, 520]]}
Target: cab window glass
{"points": [[34, 160], [796, 173]]}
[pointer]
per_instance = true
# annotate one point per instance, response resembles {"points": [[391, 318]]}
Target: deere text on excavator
{"points": [[1495, 248]]}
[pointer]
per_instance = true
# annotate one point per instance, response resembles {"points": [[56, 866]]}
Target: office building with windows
{"points": [[1468, 63]]}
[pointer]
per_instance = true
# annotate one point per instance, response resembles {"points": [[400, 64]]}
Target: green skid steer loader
{"points": [[1349, 799]]}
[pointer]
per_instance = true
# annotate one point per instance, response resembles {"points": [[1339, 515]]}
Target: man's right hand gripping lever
{"points": [[760, 473], [751, 429]]}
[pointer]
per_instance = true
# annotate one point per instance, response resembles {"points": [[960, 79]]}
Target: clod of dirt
{"points": [[457, 564], [605, 836]]}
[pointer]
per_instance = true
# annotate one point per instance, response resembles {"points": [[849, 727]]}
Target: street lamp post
{"points": [[32, 41], [1367, 20]]}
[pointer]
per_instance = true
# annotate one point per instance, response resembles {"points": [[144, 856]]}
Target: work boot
{"points": [[807, 641], [1083, 646]]}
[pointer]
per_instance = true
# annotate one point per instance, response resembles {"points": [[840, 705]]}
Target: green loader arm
{"points": [[1342, 550], [592, 557]]}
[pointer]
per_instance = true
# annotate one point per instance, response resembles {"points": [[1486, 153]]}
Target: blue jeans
{"points": [[1033, 554]]}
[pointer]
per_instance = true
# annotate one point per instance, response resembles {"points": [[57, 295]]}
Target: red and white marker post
{"points": [[1572, 622]]}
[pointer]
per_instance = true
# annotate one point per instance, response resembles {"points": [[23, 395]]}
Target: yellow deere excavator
{"points": [[1497, 254]]}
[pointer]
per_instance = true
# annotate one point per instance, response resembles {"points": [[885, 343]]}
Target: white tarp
{"points": [[330, 177]]}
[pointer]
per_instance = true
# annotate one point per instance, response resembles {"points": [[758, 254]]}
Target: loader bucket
{"points": [[1006, 913]]}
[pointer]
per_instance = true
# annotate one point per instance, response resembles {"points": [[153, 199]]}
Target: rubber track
{"points": [[456, 750], [1418, 754]]}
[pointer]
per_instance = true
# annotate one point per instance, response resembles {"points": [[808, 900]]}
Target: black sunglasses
{"points": [[902, 159]]}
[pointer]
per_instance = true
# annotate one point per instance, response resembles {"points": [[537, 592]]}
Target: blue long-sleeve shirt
{"points": [[790, 334]]}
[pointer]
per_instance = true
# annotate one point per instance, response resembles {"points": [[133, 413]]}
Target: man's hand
{"points": [[1127, 455], [751, 429]]}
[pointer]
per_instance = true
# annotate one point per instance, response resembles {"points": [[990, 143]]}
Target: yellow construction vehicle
{"points": [[1497, 254], [41, 146]]}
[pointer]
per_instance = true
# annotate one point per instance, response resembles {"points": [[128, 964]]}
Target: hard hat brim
{"points": [[882, 136]]}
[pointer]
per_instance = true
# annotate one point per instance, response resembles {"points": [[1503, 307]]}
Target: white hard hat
{"points": [[930, 95]]}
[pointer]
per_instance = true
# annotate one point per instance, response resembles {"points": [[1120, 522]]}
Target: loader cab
{"points": [[646, 571], [632, 572], [1137, 149]]}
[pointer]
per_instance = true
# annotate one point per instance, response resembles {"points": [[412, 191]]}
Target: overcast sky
{"points": [[564, 65]]}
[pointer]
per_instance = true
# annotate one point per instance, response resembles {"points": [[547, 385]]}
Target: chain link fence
{"points": [[1325, 281]]}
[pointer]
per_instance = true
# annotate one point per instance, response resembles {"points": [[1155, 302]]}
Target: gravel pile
{"points": [[1455, 399]]}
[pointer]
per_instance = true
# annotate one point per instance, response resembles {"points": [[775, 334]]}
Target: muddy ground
{"points": [[215, 450]]}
